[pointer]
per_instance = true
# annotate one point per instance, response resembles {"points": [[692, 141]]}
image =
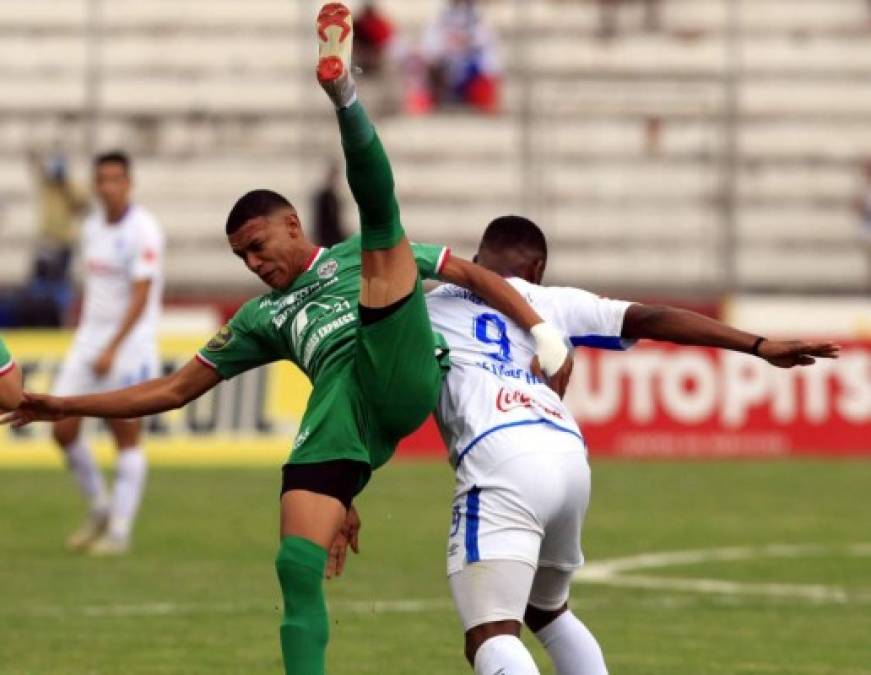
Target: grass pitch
{"points": [[198, 594]]}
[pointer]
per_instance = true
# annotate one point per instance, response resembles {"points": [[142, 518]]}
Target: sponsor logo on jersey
{"points": [[301, 439], [328, 269], [510, 371], [512, 399], [222, 338]]}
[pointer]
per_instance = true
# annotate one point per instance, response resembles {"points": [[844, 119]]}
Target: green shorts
{"points": [[362, 409]]}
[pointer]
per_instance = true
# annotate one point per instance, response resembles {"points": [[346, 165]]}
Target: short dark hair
{"points": [[255, 204], [514, 232], [114, 157]]}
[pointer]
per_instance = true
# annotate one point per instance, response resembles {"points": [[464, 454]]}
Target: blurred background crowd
{"points": [[670, 148]]}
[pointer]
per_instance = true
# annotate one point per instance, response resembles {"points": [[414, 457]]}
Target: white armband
{"points": [[550, 348]]}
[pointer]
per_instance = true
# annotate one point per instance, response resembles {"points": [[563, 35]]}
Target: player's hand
{"points": [[560, 381], [790, 353], [348, 536], [103, 364], [35, 408]]}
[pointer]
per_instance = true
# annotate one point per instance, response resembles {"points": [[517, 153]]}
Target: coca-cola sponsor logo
{"points": [[512, 399]]}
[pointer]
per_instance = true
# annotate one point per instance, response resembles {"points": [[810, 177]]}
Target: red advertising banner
{"points": [[659, 400]]}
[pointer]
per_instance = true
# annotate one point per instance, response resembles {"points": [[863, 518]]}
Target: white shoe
{"points": [[108, 546], [93, 528], [335, 44]]}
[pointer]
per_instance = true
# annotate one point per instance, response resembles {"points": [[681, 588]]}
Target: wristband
{"points": [[756, 345], [550, 348]]}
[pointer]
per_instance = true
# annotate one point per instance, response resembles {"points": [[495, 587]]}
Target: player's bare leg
{"points": [[130, 475], [80, 460], [309, 523], [389, 271], [312, 516]]}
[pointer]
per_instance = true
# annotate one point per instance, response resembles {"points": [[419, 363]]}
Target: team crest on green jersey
{"points": [[222, 338], [328, 269]]}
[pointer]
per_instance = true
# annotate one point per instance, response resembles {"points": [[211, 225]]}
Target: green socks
{"points": [[371, 179], [305, 628]]}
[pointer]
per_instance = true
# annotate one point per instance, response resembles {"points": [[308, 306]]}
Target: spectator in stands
{"points": [[374, 42], [328, 211], [373, 34], [461, 53], [60, 205], [609, 9], [863, 210]]}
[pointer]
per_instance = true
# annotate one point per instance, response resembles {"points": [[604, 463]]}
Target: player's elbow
{"points": [[644, 321]]}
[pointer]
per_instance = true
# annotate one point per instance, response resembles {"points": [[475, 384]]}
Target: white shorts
{"points": [[528, 508], [134, 364]]}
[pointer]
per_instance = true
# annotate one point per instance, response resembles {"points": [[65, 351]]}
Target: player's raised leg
{"points": [[389, 272]]}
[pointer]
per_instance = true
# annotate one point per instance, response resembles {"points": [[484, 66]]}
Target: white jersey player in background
{"points": [[115, 346], [522, 477]]}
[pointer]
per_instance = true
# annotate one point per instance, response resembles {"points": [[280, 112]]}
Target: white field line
{"points": [[616, 572], [612, 572], [151, 609]]}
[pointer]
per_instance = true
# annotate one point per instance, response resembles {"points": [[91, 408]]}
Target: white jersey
{"points": [[114, 256], [490, 387]]}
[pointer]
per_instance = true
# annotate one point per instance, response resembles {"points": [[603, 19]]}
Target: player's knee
{"points": [[477, 636], [300, 566], [536, 619]]}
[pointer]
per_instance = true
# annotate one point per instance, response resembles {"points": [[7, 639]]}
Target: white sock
{"points": [[504, 655], [88, 476], [572, 647], [127, 494]]}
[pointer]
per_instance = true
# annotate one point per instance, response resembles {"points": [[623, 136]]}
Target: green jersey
{"points": [[313, 323], [6, 362]]}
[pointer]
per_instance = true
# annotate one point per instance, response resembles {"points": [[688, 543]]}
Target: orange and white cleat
{"points": [[335, 44]]}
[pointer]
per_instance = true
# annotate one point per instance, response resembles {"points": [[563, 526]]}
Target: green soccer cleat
{"points": [[335, 43]]}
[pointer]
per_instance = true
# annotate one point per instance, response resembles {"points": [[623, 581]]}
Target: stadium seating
{"points": [[619, 146]]}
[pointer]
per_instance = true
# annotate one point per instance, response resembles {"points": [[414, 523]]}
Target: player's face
{"points": [[112, 183], [271, 247]]}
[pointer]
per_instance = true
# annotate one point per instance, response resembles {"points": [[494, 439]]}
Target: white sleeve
{"points": [[148, 251], [589, 320]]}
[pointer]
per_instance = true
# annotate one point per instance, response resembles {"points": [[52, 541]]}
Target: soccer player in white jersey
{"points": [[522, 477], [115, 346]]}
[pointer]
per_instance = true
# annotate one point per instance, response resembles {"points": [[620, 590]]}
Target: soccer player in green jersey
{"points": [[354, 319], [10, 380]]}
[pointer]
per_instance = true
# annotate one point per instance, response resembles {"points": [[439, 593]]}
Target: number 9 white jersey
{"points": [[490, 388]]}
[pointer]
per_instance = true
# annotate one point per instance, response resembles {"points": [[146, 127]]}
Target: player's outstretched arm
{"points": [[10, 380], [659, 322], [149, 398], [551, 349], [10, 388]]}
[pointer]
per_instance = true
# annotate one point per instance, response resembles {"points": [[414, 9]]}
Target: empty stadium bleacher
{"points": [[214, 97]]}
